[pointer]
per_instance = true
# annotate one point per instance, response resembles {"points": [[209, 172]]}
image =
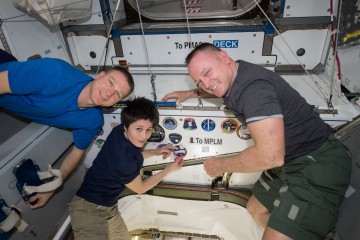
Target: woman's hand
{"points": [[165, 151]]}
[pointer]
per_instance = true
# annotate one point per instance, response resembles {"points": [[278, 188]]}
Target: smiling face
{"points": [[139, 132], [109, 88], [212, 71]]}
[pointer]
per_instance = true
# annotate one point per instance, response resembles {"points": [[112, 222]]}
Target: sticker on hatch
{"points": [[229, 125], [189, 124], [180, 151]]}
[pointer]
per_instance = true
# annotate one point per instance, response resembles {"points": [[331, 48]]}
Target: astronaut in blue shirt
{"points": [[54, 93]]}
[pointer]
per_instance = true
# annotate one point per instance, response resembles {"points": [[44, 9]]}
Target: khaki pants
{"points": [[90, 221]]}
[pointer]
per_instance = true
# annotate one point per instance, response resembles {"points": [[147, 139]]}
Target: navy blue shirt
{"points": [[118, 163]]}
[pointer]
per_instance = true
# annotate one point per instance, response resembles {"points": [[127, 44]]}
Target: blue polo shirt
{"points": [[46, 91]]}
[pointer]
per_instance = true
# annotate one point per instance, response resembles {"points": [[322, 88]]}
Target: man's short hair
{"points": [[202, 47], [139, 108], [127, 75]]}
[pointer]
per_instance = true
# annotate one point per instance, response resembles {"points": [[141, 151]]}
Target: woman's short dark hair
{"points": [[202, 47], [127, 75], [139, 108]]}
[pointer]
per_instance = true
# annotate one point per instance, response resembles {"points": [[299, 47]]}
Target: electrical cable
{"points": [[153, 76], [108, 38]]}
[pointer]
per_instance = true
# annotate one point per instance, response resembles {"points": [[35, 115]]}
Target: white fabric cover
{"points": [[225, 220], [11, 220], [49, 186], [55, 11]]}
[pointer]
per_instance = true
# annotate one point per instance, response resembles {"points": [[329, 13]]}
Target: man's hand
{"points": [[165, 151], [180, 96], [212, 166], [40, 199]]}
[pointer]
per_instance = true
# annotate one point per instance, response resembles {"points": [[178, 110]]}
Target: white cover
{"points": [[11, 220], [223, 219], [55, 11], [49, 186]]}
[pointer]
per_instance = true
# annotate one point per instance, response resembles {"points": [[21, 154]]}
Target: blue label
{"points": [[226, 43]]}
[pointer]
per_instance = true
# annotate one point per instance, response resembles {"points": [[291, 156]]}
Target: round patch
{"points": [[99, 142], [180, 151], [157, 135], [169, 123], [175, 138], [243, 132], [163, 144], [229, 126], [208, 125]]}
